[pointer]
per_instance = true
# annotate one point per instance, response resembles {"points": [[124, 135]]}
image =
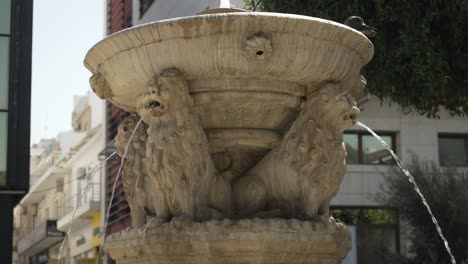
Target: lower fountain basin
{"points": [[269, 241]]}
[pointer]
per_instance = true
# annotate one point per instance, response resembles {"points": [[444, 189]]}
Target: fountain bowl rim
{"points": [[366, 52]]}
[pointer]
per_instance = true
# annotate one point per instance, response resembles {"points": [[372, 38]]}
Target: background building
{"points": [[144, 11], [443, 140], [15, 105], [65, 191]]}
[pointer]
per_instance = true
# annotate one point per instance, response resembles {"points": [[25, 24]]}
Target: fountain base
{"points": [[228, 241]]}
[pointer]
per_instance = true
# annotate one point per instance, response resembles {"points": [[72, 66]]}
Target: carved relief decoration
{"points": [[169, 171], [301, 174], [100, 86], [180, 171]]}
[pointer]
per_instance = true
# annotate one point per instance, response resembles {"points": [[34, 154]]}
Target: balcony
{"points": [[86, 204], [39, 239]]}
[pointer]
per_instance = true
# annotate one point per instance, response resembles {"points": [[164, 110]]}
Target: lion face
{"points": [[125, 131], [337, 110], [165, 94], [349, 110]]}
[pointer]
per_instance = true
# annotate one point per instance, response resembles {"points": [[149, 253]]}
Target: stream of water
{"points": [[416, 188], [76, 207], [112, 195], [104, 228]]}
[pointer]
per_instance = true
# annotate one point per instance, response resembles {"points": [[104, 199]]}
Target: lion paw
{"points": [[181, 221], [154, 222]]}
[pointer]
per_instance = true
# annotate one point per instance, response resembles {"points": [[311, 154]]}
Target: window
{"points": [[5, 9], [3, 147], [363, 148], [59, 185], [453, 149], [4, 71], [144, 6], [373, 230], [15, 92]]}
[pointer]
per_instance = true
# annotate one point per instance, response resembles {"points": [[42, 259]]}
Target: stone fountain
{"points": [[241, 146]]}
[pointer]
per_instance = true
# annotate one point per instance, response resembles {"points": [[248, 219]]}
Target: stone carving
{"points": [[323, 241], [358, 87], [177, 156], [258, 46], [298, 178], [100, 87], [261, 108], [134, 175]]}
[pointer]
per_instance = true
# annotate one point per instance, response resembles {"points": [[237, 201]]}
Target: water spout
{"points": [[416, 188]]}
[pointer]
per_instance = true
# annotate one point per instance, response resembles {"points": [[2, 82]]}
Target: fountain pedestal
{"points": [[241, 133], [243, 241]]}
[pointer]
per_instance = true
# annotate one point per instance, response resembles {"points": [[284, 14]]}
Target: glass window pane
{"points": [[3, 146], [373, 152], [351, 143], [452, 152], [5, 9], [4, 71], [374, 241]]}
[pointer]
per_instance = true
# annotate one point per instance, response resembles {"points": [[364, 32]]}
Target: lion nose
{"points": [[153, 90]]}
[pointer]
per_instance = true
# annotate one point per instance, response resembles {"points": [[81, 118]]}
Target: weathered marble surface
{"points": [[266, 241], [242, 118]]}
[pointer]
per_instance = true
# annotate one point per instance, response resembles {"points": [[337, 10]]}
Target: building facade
{"points": [[145, 11], [442, 140], [15, 105], [65, 192]]}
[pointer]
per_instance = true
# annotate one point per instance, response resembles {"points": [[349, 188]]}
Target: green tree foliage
{"points": [[421, 50], [446, 192]]}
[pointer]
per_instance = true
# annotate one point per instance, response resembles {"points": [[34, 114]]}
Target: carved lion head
{"points": [[165, 95], [336, 110], [125, 131], [100, 87]]}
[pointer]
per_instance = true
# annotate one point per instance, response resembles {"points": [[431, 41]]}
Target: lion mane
{"points": [[177, 156], [302, 173], [134, 173]]}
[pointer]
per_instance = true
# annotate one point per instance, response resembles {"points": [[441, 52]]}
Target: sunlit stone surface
{"points": [[241, 146]]}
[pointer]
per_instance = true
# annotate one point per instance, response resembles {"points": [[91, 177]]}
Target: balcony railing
{"points": [[88, 195], [40, 238]]}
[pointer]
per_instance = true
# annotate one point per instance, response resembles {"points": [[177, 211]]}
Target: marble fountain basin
{"points": [[248, 72]]}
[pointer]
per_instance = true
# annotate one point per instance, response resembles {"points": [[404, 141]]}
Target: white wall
{"points": [[164, 9], [85, 231], [414, 134], [68, 139], [85, 158], [98, 107]]}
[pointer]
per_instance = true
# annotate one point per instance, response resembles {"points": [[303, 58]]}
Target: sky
{"points": [[63, 31]]}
